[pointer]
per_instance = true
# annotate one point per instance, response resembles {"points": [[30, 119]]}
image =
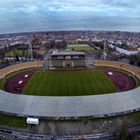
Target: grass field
{"points": [[13, 121], [69, 83], [17, 52], [82, 47]]}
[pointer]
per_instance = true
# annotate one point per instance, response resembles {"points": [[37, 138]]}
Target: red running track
{"points": [[13, 86], [122, 81]]}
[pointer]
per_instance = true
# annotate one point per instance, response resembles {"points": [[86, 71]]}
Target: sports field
{"points": [[81, 47], [69, 83], [17, 52]]}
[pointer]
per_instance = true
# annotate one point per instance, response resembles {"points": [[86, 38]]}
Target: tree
{"points": [[132, 59], [2, 60], [17, 58], [138, 62], [123, 133], [2, 54], [138, 55]]}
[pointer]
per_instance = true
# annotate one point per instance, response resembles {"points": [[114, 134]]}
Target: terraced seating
{"points": [[79, 63], [115, 64], [16, 67], [132, 69], [107, 63], [57, 63]]}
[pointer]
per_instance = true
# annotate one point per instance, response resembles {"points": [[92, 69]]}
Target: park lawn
{"points": [[69, 83], [17, 52], [82, 47]]}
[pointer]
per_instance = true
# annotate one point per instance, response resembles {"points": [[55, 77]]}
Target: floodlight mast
{"points": [[30, 50], [104, 54]]}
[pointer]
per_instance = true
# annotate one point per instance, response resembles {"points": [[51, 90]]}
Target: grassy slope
{"points": [[13, 121], [69, 83]]}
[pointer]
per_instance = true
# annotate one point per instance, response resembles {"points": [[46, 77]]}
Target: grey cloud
{"points": [[28, 15]]}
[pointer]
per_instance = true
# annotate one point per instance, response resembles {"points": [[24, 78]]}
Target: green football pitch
{"points": [[82, 47], [69, 83]]}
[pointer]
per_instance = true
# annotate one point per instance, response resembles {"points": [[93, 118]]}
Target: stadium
{"points": [[73, 106], [69, 87], [69, 70]]}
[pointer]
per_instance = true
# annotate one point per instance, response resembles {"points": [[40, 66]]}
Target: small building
{"points": [[128, 52], [32, 121]]}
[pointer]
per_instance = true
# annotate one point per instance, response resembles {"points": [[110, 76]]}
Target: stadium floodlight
{"points": [[30, 50], [104, 54]]}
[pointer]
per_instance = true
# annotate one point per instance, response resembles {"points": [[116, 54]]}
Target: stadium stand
{"points": [[79, 63], [118, 65], [17, 67], [58, 63]]}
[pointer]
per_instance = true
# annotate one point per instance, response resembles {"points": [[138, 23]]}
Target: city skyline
{"points": [[41, 15]]}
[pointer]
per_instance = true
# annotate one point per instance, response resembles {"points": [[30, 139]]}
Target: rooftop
{"points": [[67, 52]]}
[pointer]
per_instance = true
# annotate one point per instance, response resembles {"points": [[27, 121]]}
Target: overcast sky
{"points": [[43, 15]]}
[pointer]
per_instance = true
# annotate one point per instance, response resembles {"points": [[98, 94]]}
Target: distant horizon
{"points": [[41, 15], [24, 32]]}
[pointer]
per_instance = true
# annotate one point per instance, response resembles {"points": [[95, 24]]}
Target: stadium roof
{"points": [[45, 106], [54, 53]]}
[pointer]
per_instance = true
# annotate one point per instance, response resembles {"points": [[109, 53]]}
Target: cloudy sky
{"points": [[43, 15]]}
